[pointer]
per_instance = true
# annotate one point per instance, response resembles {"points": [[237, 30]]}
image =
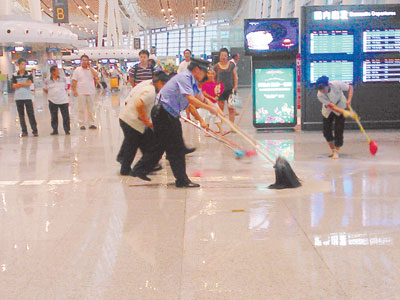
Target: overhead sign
{"points": [[327, 15], [60, 11]]}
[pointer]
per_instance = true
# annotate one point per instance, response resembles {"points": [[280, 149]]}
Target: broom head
{"points": [[373, 147], [285, 178]]}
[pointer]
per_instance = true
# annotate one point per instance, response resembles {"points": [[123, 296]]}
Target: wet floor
{"points": [[72, 228]]}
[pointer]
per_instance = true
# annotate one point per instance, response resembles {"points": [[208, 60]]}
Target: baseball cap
{"points": [[322, 82]]}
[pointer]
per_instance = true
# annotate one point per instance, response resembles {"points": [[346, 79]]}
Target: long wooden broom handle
{"points": [[210, 132], [246, 137], [360, 125]]}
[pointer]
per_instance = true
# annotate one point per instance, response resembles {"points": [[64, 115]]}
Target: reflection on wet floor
{"points": [[72, 228]]}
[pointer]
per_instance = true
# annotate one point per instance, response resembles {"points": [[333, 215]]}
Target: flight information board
{"points": [[387, 40], [331, 41], [381, 70], [336, 70]]}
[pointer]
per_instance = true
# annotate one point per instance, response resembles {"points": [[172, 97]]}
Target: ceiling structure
{"points": [[83, 14]]}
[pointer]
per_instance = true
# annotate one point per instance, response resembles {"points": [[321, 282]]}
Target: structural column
{"points": [[5, 8], [186, 37], [297, 8], [274, 9], [100, 25], [264, 8], [284, 9], [35, 9]]}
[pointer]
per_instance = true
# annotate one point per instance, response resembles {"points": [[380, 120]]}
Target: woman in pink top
{"points": [[211, 91]]}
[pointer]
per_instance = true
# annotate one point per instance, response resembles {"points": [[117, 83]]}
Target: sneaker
{"points": [[35, 134], [83, 127], [54, 133], [92, 127], [23, 134], [67, 133]]}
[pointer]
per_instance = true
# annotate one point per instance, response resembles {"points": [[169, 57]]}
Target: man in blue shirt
{"points": [[179, 93]]}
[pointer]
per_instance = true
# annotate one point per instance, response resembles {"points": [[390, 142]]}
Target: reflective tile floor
{"points": [[72, 228]]}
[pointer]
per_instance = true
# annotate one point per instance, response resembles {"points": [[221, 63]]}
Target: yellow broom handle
{"points": [[359, 124]]}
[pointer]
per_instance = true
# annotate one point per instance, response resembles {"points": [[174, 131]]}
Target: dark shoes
{"points": [[23, 134], [186, 184], [35, 133], [67, 133], [92, 127], [54, 133], [140, 175], [189, 150], [83, 127]]}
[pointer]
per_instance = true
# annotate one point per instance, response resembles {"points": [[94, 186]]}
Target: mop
{"points": [[284, 174], [239, 153], [373, 146]]}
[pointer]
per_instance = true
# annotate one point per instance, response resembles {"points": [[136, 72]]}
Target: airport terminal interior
{"points": [[283, 183]]}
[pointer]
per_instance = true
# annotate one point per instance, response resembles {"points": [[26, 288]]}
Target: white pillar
{"points": [[259, 12], [297, 8], [5, 64], [119, 24], [35, 9], [251, 9], [5, 8], [274, 9], [265, 5], [284, 9], [111, 25], [100, 25], [186, 37], [145, 46]]}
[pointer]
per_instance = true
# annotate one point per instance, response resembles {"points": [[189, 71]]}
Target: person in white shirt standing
{"points": [[183, 66], [56, 89], [83, 87]]}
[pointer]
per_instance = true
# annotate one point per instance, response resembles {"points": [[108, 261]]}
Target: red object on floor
{"points": [[197, 174], [373, 147], [251, 153]]}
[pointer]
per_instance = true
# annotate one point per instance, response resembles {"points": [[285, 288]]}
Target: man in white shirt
{"points": [[83, 87], [56, 89], [135, 122], [235, 58], [183, 66], [334, 103]]}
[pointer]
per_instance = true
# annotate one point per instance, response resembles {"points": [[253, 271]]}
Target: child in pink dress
{"points": [[211, 90]]}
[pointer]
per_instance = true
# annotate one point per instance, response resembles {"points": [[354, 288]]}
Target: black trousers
{"points": [[134, 140], [54, 116], [31, 115], [168, 132], [338, 128]]}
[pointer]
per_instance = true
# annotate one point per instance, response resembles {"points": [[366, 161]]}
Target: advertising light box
{"points": [[274, 97], [268, 37]]}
